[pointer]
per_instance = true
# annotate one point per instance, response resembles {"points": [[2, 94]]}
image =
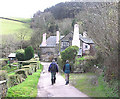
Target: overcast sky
{"points": [[24, 8]]}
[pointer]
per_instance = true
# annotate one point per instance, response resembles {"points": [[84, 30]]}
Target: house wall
{"points": [[47, 53], [68, 38], [86, 48]]}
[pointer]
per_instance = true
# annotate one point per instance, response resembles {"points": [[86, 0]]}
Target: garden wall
{"points": [[3, 83], [3, 88]]}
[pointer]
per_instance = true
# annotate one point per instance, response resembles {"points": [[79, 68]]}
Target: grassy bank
{"points": [[28, 88], [10, 27], [92, 85]]}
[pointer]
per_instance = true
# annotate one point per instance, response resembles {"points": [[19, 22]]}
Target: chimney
{"points": [[84, 34], [44, 40], [57, 37], [76, 41]]}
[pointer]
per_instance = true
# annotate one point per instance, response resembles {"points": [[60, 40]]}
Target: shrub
{"points": [[8, 69], [25, 63], [22, 71], [29, 53], [69, 54], [12, 80], [20, 55]]}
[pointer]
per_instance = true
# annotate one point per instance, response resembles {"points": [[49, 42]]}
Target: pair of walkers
{"points": [[53, 68]]}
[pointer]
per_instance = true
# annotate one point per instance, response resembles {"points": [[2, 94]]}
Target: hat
{"points": [[67, 61], [53, 60]]}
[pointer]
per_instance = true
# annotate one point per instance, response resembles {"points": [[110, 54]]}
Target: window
{"points": [[49, 53], [86, 46], [64, 44], [70, 38]]}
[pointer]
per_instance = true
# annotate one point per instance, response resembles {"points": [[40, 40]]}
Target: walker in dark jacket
{"points": [[53, 68], [67, 70]]}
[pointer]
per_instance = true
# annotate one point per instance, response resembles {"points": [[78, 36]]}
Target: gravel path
{"points": [[59, 89]]}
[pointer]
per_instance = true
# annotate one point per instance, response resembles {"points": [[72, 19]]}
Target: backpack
{"points": [[53, 68], [67, 68]]}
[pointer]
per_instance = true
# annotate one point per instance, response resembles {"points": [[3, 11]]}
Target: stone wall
{"points": [[48, 53], [47, 49], [3, 88]]}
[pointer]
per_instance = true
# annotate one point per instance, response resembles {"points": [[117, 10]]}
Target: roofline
{"points": [[66, 35], [47, 46]]}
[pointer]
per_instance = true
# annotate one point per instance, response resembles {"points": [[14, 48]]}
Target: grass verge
{"points": [[28, 88], [92, 85]]}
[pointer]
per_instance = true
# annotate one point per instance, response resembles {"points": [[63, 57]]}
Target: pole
{"points": [[59, 43]]}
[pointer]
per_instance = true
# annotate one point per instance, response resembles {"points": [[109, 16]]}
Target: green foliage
{"points": [[81, 58], [92, 85], [60, 64], [20, 55], [74, 22], [69, 54], [20, 75], [29, 53], [28, 88], [8, 69], [26, 54], [12, 80]]}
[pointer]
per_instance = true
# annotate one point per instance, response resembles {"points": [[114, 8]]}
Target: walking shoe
{"points": [[52, 81], [67, 83]]}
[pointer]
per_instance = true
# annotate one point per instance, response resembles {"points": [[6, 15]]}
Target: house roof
{"points": [[66, 35], [51, 41], [86, 39], [12, 55]]}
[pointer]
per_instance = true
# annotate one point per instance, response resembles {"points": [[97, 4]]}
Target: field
{"points": [[12, 27]]}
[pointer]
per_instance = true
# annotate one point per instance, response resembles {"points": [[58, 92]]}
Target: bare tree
{"points": [[101, 22], [8, 44], [22, 35]]}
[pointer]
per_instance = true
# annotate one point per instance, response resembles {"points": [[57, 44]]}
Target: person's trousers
{"points": [[67, 77], [53, 77]]}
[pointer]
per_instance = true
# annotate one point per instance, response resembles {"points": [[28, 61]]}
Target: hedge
{"points": [[20, 54], [22, 71], [29, 53], [21, 74], [12, 80]]}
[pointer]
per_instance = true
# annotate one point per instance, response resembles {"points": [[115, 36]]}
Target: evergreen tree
{"points": [[29, 53]]}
